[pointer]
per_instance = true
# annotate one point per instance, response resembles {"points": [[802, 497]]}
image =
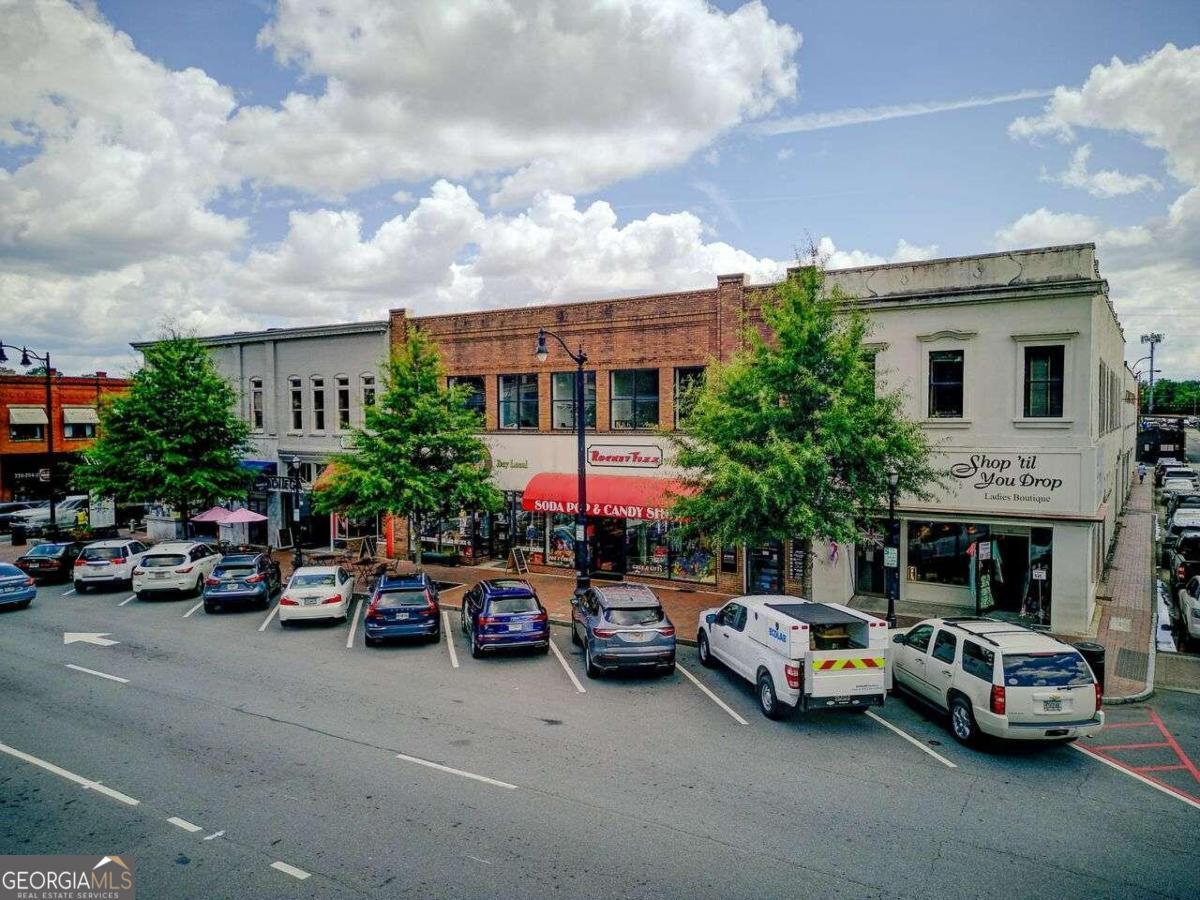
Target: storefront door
{"points": [[608, 546], [765, 569], [1010, 571], [868, 567]]}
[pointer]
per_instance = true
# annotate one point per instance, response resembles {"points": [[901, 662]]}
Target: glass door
{"points": [[765, 569]]}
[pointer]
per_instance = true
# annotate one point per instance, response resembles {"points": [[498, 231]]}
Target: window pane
{"points": [[1044, 381], [622, 414], [623, 383], [937, 551]]}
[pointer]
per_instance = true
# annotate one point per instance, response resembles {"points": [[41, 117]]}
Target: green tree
{"points": [[419, 454], [790, 438], [174, 437]]}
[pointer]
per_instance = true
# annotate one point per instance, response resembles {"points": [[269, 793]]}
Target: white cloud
{"points": [[1104, 183], [851, 259], [548, 94], [1043, 228], [1156, 99], [860, 115], [130, 154]]}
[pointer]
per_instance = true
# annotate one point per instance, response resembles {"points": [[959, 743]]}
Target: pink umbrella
{"points": [[242, 516], [216, 514]]}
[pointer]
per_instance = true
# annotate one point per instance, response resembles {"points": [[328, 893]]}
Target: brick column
{"points": [[730, 309]]}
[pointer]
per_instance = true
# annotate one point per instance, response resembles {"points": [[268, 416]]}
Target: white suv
{"points": [[999, 679], [107, 562], [175, 567]]}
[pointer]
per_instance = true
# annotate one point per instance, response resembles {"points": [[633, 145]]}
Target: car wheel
{"points": [[593, 671], [436, 636], [575, 636], [546, 649], [370, 641], [209, 608], [962, 722], [476, 650], [80, 588], [199, 587], [706, 657], [462, 620], [667, 670], [24, 604], [767, 701], [283, 623]]}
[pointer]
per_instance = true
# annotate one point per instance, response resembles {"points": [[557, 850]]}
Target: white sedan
{"points": [[317, 592]]}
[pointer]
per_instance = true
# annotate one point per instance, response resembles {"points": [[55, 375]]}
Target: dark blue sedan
{"points": [[404, 606], [505, 614], [246, 579], [16, 588]]}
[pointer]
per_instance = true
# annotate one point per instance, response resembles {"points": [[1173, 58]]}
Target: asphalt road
{"points": [[288, 748]]}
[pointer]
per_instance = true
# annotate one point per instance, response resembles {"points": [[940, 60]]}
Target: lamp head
{"points": [[893, 478], [542, 353], [3, 355], [25, 357]]}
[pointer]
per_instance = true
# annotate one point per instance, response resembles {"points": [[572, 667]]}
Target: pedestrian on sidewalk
{"points": [[1141, 472]]}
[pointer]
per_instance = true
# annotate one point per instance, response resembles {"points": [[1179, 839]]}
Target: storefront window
{"points": [[937, 551], [562, 541], [530, 535], [647, 549], [692, 560]]}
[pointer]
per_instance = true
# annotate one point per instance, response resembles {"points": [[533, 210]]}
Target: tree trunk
{"points": [[806, 581]]}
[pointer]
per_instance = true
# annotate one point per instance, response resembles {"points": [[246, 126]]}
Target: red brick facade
{"points": [[20, 459]]}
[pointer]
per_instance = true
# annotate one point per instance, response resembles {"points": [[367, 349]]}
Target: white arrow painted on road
{"points": [[100, 640]]}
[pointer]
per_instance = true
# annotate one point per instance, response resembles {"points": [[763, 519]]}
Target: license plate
{"points": [[311, 601], [7, 590], [400, 617], [159, 574], [636, 637], [517, 627], [1052, 706]]}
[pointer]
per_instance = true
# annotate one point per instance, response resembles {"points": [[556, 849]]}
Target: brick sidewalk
{"points": [[1126, 599]]}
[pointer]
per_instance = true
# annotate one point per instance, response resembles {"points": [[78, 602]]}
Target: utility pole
{"points": [[1153, 338]]}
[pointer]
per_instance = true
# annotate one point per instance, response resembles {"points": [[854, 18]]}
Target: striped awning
{"points": [[27, 415]]}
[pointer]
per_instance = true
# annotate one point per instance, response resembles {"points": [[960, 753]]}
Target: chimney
{"points": [[100, 374]]}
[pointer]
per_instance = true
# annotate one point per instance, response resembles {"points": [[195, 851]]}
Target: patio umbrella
{"points": [[216, 514], [242, 516]]}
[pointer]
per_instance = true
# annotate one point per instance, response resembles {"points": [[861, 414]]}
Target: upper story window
{"points": [[343, 401], [946, 384], [368, 390], [79, 422], [476, 399], [27, 423], [318, 402], [687, 380], [297, 403], [562, 395], [77, 431], [634, 399], [256, 404], [1044, 381], [518, 401]]}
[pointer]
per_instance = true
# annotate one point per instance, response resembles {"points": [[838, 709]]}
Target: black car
{"points": [[51, 561], [9, 510]]}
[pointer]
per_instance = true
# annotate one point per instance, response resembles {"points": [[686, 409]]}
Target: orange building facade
{"points": [[71, 420]]}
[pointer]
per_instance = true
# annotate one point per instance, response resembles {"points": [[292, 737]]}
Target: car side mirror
{"points": [[899, 639], [710, 618]]}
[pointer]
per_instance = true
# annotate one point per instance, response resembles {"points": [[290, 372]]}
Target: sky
{"points": [[238, 164]]}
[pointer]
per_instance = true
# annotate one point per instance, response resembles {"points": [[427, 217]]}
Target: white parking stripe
{"points": [[86, 783], [449, 638], [713, 697], [193, 609], [579, 687], [912, 740], [459, 772], [267, 620], [1146, 781], [127, 599], [353, 623], [290, 870], [68, 593], [97, 674], [184, 824]]}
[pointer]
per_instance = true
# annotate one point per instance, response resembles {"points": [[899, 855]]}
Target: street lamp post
{"points": [[582, 581], [297, 553], [892, 572], [1153, 339], [27, 357]]}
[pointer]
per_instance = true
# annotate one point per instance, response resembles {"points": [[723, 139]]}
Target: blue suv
{"points": [[622, 626], [404, 606], [502, 614]]}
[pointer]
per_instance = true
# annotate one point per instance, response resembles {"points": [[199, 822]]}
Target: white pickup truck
{"points": [[799, 654]]}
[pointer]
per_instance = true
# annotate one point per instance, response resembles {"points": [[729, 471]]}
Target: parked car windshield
{"points": [[314, 580], [163, 561], [98, 553], [650, 615], [233, 571], [395, 599], [509, 605], [1046, 670], [46, 550]]}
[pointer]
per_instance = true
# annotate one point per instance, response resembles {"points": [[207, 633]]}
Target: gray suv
{"points": [[622, 626]]}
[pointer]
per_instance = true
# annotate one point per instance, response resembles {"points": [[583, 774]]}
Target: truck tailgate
{"points": [[845, 673]]}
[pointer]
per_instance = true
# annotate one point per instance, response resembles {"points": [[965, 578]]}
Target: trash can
{"points": [[1094, 654], [18, 536]]}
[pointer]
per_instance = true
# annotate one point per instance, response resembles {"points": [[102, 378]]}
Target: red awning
{"points": [[617, 496]]}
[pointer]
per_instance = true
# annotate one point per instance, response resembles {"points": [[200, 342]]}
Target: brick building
{"points": [[1012, 361], [72, 414]]}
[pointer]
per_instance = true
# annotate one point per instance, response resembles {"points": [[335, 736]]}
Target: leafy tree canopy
{"points": [[174, 437], [791, 437], [1179, 397], [419, 454]]}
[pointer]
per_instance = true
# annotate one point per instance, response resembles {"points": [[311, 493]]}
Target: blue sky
{"points": [[277, 229]]}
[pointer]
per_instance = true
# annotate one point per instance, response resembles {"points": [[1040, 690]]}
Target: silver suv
{"points": [[999, 679], [622, 626]]}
